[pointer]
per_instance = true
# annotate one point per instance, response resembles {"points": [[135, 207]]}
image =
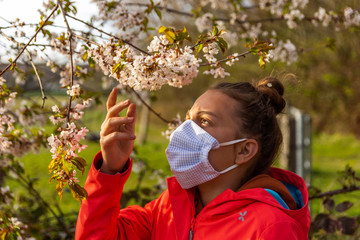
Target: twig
{"points": [[39, 80], [163, 8], [226, 59], [335, 192], [86, 40], [23, 49], [32, 64], [149, 107], [108, 34], [29, 186], [70, 33]]}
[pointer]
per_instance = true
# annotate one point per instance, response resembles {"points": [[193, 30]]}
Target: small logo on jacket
{"points": [[242, 216]]}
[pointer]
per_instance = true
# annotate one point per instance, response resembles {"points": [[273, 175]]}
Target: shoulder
{"points": [[276, 223], [284, 229]]}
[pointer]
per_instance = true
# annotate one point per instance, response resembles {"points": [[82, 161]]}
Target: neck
{"points": [[211, 189]]}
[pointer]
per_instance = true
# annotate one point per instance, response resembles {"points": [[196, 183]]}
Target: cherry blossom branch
{"points": [[163, 8], [108, 34], [23, 49], [226, 59], [29, 186], [149, 107], [70, 33], [32, 64], [38, 78], [335, 192], [172, 10], [187, 14], [86, 39]]}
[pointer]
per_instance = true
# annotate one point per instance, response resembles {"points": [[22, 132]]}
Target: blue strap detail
{"points": [[296, 194], [278, 198]]}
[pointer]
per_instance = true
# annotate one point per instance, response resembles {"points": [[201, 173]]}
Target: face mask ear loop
{"points": [[232, 142], [229, 168]]}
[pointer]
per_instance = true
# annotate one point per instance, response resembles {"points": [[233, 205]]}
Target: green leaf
{"points": [[80, 163], [111, 5], [145, 22], [162, 29], [78, 192], [215, 30], [60, 188], [158, 12], [91, 62], [222, 44], [117, 66], [198, 47], [170, 35], [261, 61], [85, 56], [18, 70]]}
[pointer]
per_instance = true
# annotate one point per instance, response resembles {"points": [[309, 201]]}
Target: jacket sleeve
{"points": [[100, 216], [284, 231]]}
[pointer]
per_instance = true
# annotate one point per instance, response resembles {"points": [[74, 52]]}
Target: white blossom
{"points": [[285, 52], [322, 17], [175, 67], [74, 90], [217, 72], [205, 22]]}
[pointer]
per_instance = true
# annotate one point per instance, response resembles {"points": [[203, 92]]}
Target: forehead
{"points": [[216, 102]]}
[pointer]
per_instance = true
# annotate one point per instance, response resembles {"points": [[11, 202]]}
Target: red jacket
{"points": [[248, 214]]}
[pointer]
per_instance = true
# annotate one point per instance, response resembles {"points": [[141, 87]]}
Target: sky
{"points": [[27, 11]]}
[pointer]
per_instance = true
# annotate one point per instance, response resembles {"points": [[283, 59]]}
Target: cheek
{"points": [[222, 158]]}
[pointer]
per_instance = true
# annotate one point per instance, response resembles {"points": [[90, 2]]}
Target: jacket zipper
{"points": [[191, 233]]}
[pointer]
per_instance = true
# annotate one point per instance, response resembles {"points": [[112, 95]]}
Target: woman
{"points": [[223, 185]]}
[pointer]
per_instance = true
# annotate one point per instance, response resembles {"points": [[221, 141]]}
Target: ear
{"points": [[245, 151]]}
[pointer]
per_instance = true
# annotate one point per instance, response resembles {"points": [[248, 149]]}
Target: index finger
{"points": [[111, 101]]}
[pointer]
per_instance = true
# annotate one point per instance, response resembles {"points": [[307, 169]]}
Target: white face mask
{"points": [[187, 154]]}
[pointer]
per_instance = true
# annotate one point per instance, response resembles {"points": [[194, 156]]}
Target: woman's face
{"points": [[215, 112]]}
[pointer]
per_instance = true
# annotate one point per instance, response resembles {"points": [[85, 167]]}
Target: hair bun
{"points": [[273, 90]]}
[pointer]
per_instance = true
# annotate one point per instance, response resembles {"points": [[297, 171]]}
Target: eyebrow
{"points": [[200, 113]]}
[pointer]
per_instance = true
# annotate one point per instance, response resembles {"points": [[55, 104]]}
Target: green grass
{"points": [[331, 153]]}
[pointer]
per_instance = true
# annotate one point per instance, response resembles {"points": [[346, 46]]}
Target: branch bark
{"points": [[23, 49], [38, 78], [70, 33], [108, 34], [335, 192]]}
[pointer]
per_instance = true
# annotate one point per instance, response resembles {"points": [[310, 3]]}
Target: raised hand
{"points": [[117, 134]]}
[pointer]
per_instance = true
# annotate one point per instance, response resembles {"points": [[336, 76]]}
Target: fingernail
{"points": [[133, 137], [130, 119]]}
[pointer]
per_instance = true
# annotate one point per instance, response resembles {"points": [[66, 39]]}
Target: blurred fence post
{"points": [[297, 153], [144, 118]]}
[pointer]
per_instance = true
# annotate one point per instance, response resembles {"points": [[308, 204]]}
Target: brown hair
{"points": [[258, 106]]}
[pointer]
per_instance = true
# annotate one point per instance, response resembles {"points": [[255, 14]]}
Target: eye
{"points": [[204, 122]]}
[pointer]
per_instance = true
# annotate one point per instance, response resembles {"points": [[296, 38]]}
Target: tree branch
{"points": [[226, 59], [29, 186], [70, 33], [39, 79], [108, 34], [32, 64], [149, 107], [23, 49], [335, 192], [86, 40]]}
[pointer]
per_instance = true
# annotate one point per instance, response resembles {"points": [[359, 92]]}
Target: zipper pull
{"points": [[191, 234]]}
